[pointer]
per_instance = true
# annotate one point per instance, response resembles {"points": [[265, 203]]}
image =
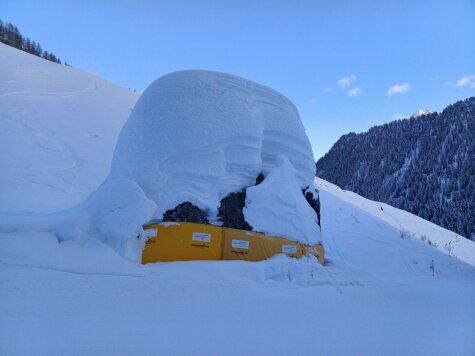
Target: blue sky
{"points": [[336, 60]]}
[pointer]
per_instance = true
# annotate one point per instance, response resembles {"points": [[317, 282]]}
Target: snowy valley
{"points": [[72, 201]]}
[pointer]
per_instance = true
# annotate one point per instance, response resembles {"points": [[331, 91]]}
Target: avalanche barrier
{"points": [[189, 241]]}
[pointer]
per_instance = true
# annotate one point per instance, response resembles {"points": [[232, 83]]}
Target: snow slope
{"points": [[198, 135], [409, 226], [58, 128]]}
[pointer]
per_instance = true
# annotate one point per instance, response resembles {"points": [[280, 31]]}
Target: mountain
{"points": [[58, 127], [424, 165]]}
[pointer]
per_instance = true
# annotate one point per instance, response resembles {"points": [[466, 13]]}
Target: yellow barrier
{"points": [[254, 246], [183, 242], [190, 241]]}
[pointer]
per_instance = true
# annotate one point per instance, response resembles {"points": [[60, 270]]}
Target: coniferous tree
{"points": [[10, 35]]}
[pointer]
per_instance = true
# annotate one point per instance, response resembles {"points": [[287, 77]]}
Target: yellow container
{"points": [[190, 241], [183, 242], [254, 246]]}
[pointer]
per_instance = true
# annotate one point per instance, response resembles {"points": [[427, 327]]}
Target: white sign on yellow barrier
{"points": [[240, 244], [191, 241], [289, 249], [201, 236]]}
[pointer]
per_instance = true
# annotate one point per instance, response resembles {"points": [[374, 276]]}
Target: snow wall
{"points": [[198, 135]]}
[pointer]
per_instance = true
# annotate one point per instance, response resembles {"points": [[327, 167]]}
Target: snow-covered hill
{"points": [[375, 295], [58, 128]]}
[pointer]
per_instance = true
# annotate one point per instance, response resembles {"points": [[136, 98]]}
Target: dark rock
{"points": [[230, 211], [259, 179], [313, 200], [186, 212]]}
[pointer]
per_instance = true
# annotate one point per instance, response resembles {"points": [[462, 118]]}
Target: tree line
{"points": [[10, 35]]}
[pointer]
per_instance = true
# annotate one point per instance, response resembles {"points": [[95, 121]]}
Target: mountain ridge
{"points": [[419, 164]]}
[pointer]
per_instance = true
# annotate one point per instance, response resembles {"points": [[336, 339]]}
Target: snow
{"points": [[28, 248], [58, 128], [422, 112], [114, 214], [278, 207], [198, 135], [375, 295]]}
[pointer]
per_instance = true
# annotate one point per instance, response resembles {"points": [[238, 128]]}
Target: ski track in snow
{"points": [[32, 93]]}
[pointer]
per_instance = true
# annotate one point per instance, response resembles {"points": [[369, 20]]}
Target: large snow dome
{"points": [[198, 135]]}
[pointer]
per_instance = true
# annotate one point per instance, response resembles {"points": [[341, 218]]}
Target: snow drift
{"points": [[198, 135], [277, 206], [114, 215]]}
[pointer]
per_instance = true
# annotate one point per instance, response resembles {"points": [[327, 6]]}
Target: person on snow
{"points": [[432, 268]]}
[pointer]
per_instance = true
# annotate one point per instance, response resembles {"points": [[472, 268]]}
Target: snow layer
{"points": [[114, 214], [198, 135], [278, 207], [374, 296], [58, 128]]}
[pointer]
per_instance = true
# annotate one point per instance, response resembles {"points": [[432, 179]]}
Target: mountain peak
{"points": [[422, 112]]}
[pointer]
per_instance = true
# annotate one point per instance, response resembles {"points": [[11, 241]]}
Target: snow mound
{"points": [[278, 207], [198, 135], [44, 251], [114, 215]]}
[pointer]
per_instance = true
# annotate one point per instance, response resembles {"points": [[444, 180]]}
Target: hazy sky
{"points": [[347, 65]]}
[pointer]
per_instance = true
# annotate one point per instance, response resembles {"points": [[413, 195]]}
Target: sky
{"points": [[347, 65]]}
